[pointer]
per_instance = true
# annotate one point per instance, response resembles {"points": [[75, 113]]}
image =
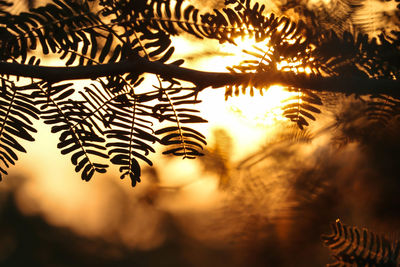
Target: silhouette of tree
{"points": [[114, 44]]}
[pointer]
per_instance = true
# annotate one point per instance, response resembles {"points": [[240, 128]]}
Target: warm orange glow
{"points": [[182, 185], [296, 67], [263, 187], [261, 110]]}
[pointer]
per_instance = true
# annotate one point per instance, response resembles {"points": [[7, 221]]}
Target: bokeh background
{"points": [[262, 195]]}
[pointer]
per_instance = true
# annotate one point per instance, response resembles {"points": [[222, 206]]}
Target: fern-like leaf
{"points": [[301, 107], [16, 113], [127, 129], [354, 247], [77, 134], [57, 27], [183, 141]]}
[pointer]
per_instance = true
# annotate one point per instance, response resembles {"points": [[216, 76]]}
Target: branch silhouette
{"points": [[360, 85], [114, 43]]}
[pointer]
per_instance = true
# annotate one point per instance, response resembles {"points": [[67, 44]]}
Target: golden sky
{"points": [[261, 158]]}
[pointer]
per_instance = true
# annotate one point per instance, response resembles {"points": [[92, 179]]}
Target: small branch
{"points": [[203, 79]]}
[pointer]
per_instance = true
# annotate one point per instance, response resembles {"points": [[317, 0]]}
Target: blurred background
{"points": [[261, 196]]}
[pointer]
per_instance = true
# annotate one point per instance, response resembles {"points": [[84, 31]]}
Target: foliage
{"points": [[113, 120], [354, 247]]}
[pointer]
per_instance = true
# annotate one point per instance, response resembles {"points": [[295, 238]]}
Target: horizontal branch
{"points": [[350, 85]]}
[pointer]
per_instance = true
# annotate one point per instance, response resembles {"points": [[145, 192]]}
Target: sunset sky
{"points": [[262, 179]]}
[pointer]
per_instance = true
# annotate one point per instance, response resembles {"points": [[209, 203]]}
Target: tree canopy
{"points": [[116, 44]]}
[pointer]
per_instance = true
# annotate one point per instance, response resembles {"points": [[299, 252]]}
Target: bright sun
{"points": [[260, 109], [265, 109]]}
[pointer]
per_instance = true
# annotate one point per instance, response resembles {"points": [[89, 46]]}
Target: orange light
{"points": [[261, 110]]}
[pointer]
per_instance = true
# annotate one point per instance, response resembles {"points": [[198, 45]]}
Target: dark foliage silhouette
{"points": [[354, 247], [115, 43]]}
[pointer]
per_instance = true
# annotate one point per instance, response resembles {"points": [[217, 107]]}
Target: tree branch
{"points": [[352, 84]]}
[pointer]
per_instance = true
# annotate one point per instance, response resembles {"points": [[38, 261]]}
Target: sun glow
{"points": [[263, 109], [266, 108], [259, 110]]}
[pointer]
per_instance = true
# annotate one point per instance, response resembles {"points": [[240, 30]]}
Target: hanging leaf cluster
{"points": [[110, 120], [309, 51], [284, 49], [115, 119], [17, 111]]}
